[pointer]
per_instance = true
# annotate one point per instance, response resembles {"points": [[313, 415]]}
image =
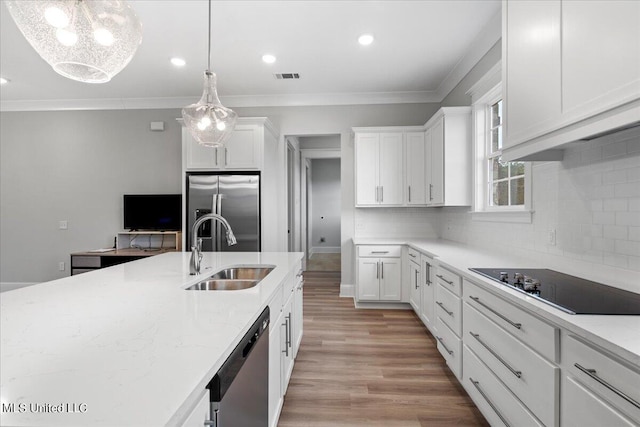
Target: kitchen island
{"points": [[125, 345]]}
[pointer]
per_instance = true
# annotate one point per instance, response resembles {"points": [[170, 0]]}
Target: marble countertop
{"points": [[617, 334], [125, 345]]}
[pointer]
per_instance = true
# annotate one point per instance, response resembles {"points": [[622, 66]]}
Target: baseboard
{"points": [[324, 250], [383, 305], [347, 291], [9, 286]]}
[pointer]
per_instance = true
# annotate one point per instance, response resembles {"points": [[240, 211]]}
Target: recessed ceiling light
{"points": [[3, 81], [178, 62], [365, 39], [269, 59]]}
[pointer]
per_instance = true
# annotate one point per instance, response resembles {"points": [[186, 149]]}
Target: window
{"points": [[502, 189], [505, 179]]}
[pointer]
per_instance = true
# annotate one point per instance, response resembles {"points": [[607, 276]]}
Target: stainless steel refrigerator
{"points": [[237, 198]]}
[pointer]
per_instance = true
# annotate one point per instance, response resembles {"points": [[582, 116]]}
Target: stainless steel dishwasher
{"points": [[239, 391]]}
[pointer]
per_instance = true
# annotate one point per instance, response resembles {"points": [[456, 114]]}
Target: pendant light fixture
{"points": [[210, 122], [85, 40]]}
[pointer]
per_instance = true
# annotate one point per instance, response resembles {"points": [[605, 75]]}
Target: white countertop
{"points": [[126, 341], [617, 334]]}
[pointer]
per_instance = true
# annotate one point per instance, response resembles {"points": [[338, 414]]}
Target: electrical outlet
{"points": [[61, 266], [62, 225], [552, 237]]}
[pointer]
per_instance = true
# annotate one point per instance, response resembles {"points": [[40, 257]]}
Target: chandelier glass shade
{"points": [[209, 122], [85, 40]]}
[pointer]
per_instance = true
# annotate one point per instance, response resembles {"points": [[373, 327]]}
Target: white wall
{"points": [[75, 166], [591, 199], [325, 212]]}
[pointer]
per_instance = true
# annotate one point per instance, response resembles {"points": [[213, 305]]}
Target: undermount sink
{"points": [[233, 279]]}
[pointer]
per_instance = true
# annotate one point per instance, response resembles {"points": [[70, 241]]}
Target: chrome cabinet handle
{"points": [[286, 334], [379, 252], [450, 313], [417, 281], [444, 346], [476, 384], [409, 194], [427, 267], [378, 270], [377, 194], [592, 373], [382, 269], [289, 332], [518, 374], [500, 315], [430, 192], [412, 255], [226, 156], [445, 280]]}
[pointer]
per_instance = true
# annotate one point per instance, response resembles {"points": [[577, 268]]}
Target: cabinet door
{"points": [[390, 279], [436, 161], [200, 413], [414, 290], [287, 342], [581, 407], [368, 279], [366, 155], [427, 313], [275, 369], [390, 169], [532, 74], [415, 158], [198, 156], [600, 55], [242, 150], [297, 317]]}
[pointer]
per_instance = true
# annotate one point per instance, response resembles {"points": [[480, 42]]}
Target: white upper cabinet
{"points": [[415, 160], [379, 168], [571, 70], [243, 151], [448, 157]]}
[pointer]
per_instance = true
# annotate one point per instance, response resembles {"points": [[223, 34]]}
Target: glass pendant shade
{"points": [[210, 123], [85, 40]]}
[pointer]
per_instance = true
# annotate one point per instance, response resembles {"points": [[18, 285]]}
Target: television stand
{"points": [[130, 246]]}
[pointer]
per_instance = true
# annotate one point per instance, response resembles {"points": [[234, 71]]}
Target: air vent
{"points": [[286, 76]]}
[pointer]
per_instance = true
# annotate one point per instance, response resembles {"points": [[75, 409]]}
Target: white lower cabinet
{"points": [[415, 282], [596, 389], [428, 306], [284, 332], [201, 413], [379, 273], [499, 406], [449, 319]]}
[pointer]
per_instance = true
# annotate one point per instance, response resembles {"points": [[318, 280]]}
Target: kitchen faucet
{"points": [[196, 250]]}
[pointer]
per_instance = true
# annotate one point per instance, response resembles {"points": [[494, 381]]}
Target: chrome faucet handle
{"points": [[199, 245]]}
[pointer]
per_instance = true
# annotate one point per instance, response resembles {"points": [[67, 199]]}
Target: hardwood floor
{"points": [[369, 368]]}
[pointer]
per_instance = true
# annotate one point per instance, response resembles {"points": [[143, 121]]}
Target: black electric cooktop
{"points": [[567, 293]]}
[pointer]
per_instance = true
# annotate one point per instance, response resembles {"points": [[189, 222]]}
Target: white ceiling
{"points": [[422, 49]]}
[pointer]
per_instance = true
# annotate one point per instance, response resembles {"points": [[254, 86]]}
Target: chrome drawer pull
{"points": [[417, 281], [444, 346], [518, 374], [476, 384], [450, 313], [445, 280], [379, 252], [412, 255], [592, 374], [515, 325], [427, 280]]}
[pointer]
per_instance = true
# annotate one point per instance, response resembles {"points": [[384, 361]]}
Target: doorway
{"points": [[314, 199]]}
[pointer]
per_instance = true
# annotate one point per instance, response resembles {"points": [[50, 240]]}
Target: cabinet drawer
{"points": [[529, 376], [611, 380], [494, 400], [448, 308], [450, 346], [582, 408], [449, 280], [414, 255], [379, 251], [85, 261], [531, 330]]}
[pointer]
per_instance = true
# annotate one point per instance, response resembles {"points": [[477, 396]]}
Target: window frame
{"points": [[484, 94]]}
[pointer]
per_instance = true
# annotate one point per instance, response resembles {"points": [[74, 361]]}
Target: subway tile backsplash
{"points": [[591, 199]]}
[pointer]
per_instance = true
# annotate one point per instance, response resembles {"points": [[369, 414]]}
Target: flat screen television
{"points": [[162, 212]]}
